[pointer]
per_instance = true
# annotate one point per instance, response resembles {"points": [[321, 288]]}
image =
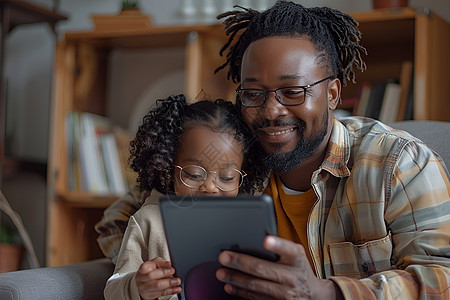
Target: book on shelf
{"points": [[80, 179], [390, 103], [407, 87], [123, 138], [113, 165], [71, 175], [406, 82], [91, 157], [363, 102], [75, 177], [94, 162], [375, 99], [409, 112]]}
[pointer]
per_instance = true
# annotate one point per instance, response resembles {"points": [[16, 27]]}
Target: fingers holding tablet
{"points": [[251, 277]]}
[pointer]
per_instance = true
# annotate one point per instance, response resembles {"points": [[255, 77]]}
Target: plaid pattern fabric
{"points": [[115, 220], [381, 226]]}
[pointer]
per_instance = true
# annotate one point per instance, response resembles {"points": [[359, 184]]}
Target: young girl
{"points": [[195, 149]]}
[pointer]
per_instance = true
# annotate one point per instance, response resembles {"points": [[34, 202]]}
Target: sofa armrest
{"points": [[78, 281], [432, 133]]}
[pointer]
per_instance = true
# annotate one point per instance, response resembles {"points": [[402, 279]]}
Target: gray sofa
{"points": [[78, 281], [87, 280]]}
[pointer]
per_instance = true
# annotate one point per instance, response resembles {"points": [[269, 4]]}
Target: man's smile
{"points": [[272, 133], [278, 134]]}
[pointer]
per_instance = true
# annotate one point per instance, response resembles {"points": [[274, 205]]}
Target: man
{"points": [[357, 196], [362, 210]]}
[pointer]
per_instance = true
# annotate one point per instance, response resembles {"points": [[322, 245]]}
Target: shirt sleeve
{"points": [[143, 240], [417, 215], [114, 222], [122, 284]]}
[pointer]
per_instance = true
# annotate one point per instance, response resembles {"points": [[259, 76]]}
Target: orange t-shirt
{"points": [[292, 213]]}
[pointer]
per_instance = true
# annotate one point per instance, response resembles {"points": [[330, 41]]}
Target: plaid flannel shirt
{"points": [[380, 228]]}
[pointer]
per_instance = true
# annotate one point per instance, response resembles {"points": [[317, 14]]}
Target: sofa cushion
{"points": [[435, 134], [78, 281]]}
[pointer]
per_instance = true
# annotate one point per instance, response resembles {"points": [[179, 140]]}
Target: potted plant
{"points": [[14, 239], [11, 250], [129, 5]]}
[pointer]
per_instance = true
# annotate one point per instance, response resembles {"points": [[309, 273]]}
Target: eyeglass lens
{"points": [[286, 96], [225, 179]]}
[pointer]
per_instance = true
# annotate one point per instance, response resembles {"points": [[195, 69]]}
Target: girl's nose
{"points": [[209, 186]]}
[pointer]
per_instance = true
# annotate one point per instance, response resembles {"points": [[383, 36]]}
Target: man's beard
{"points": [[283, 162]]}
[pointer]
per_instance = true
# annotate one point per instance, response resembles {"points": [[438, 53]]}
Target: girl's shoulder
{"points": [[153, 198], [149, 211]]}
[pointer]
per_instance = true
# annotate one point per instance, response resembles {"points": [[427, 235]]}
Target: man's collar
{"points": [[338, 151]]}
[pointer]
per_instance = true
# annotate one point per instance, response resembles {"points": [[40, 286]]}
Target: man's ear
{"points": [[334, 93]]}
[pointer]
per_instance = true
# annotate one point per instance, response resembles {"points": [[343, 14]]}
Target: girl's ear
{"points": [[334, 93]]}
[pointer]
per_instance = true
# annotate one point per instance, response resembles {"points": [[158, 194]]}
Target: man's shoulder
{"points": [[364, 129], [368, 139]]}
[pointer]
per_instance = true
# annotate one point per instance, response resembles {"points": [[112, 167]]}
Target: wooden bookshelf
{"points": [[395, 36], [81, 81], [80, 84]]}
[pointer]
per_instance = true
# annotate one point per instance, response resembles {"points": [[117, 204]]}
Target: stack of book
{"points": [[388, 101], [96, 164]]}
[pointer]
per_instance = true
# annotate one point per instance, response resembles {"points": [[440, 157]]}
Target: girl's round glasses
{"points": [[226, 180]]}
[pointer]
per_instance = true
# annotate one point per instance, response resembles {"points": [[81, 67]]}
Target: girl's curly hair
{"points": [[154, 148], [335, 34]]}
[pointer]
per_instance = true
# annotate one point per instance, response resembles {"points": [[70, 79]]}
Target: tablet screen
{"points": [[198, 228]]}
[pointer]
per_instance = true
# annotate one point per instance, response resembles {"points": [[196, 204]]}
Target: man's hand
{"points": [[291, 277], [155, 279]]}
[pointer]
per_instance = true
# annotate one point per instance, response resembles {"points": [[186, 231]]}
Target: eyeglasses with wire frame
{"points": [[226, 180], [288, 96]]}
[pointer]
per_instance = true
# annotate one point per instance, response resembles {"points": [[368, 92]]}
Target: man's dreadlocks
{"points": [[334, 34]]}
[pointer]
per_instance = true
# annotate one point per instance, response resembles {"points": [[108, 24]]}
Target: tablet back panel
{"points": [[198, 229]]}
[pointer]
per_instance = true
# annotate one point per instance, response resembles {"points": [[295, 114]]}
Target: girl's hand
{"points": [[154, 279]]}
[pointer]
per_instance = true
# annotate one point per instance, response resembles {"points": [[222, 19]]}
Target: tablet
{"points": [[197, 229]]}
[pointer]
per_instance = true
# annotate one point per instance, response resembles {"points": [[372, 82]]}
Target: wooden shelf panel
{"points": [[173, 36], [21, 12], [71, 234], [384, 15], [386, 33], [82, 199]]}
